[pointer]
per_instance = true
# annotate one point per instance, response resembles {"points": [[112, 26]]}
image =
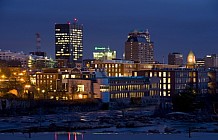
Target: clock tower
{"points": [[190, 60]]}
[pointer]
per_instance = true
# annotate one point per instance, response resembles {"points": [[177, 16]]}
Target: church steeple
{"points": [[191, 60]]}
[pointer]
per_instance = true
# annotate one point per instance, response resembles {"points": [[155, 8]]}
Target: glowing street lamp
{"points": [[43, 92], [3, 76], [80, 96], [26, 90]]}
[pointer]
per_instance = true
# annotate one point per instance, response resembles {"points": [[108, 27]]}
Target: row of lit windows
{"points": [[181, 86], [157, 74], [46, 76], [127, 82], [165, 86], [165, 80], [136, 94], [78, 30], [125, 95], [165, 93], [154, 85], [154, 93], [113, 70], [186, 74], [68, 42], [111, 65], [185, 80], [130, 81], [104, 90], [129, 87], [57, 43], [72, 38], [114, 74], [63, 41], [45, 82]]}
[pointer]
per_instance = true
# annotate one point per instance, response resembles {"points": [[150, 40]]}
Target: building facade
{"points": [[211, 61], [137, 87], [175, 59], [200, 63], [39, 62], [120, 68], [103, 53], [139, 47], [69, 42], [172, 81], [20, 58]]}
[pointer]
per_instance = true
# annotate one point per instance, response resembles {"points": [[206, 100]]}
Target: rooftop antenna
{"points": [[147, 35], [75, 20], [38, 42], [147, 31]]}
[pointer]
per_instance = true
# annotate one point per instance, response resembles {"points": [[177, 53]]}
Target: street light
{"points": [[43, 92], [80, 96], [38, 89], [26, 90]]}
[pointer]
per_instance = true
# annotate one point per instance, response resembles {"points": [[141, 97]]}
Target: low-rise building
{"points": [[121, 68], [172, 80]]}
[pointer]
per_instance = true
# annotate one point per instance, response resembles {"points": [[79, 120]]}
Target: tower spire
{"points": [[38, 42]]}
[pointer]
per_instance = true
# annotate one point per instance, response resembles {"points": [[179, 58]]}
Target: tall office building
{"points": [[139, 47], [211, 60], [69, 42], [200, 63], [175, 59]]}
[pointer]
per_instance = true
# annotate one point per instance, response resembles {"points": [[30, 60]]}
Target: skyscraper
{"points": [[69, 42], [139, 47], [175, 59], [211, 60]]}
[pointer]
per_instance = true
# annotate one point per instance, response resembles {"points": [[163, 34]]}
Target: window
{"points": [[168, 80], [164, 80], [164, 74], [160, 74], [80, 88]]}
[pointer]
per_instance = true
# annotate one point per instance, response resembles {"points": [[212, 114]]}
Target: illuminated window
{"points": [[194, 80], [168, 80], [168, 86], [155, 73], [164, 86], [164, 74], [194, 74], [164, 80], [80, 88], [160, 74]]}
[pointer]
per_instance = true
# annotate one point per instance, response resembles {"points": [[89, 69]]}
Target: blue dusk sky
{"points": [[174, 25]]}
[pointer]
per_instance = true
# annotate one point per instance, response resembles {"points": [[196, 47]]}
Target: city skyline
{"points": [[188, 25]]}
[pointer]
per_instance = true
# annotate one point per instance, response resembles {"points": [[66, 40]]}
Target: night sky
{"points": [[174, 25]]}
